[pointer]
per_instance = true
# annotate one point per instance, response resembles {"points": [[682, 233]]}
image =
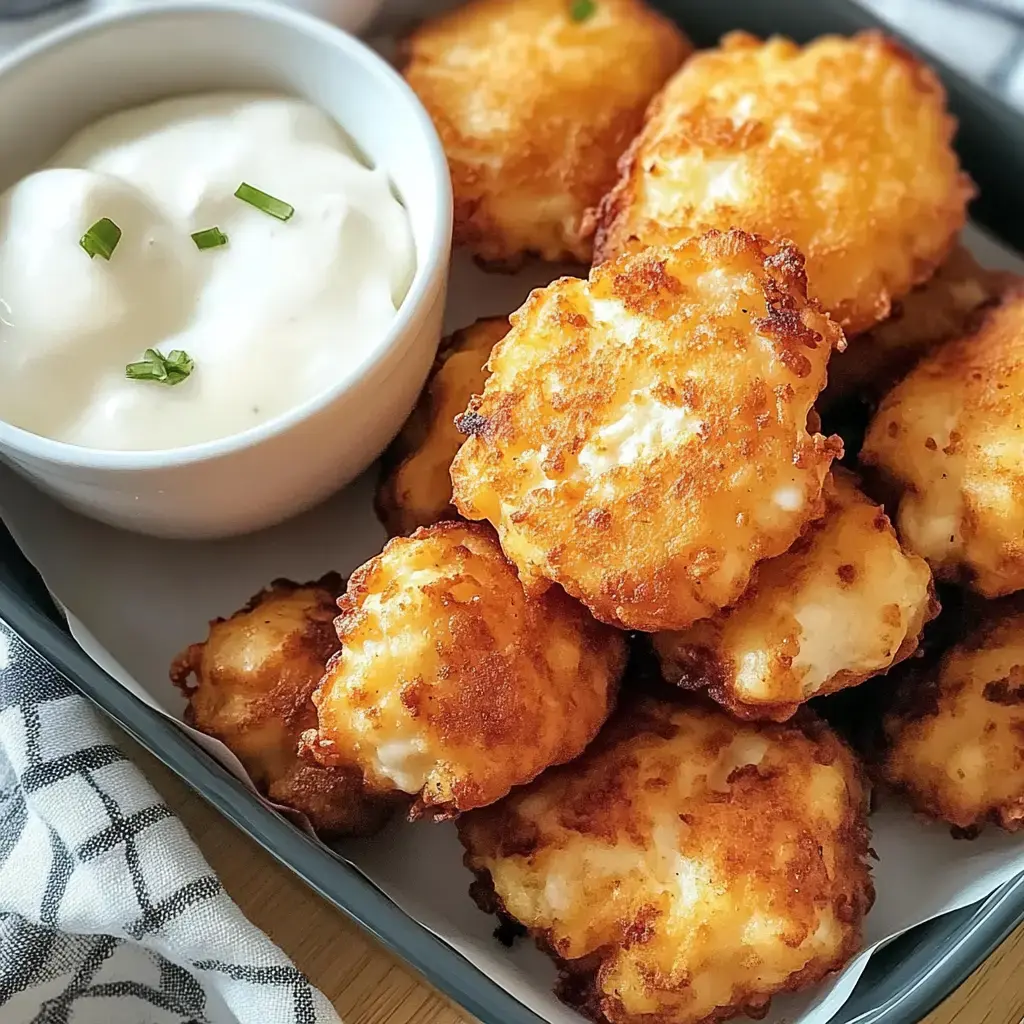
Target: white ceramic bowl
{"points": [[130, 56]]}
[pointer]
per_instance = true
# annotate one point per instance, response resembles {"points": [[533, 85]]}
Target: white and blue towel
{"points": [[108, 912]]}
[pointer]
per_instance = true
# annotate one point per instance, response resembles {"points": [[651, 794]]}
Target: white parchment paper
{"points": [[134, 602]]}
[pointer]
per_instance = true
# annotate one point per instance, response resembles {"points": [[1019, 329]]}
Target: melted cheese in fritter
{"points": [[686, 866], [956, 743], [452, 684], [841, 146], [843, 604], [249, 685], [642, 439], [534, 108], [951, 435]]}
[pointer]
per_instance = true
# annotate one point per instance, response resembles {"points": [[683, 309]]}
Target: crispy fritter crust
{"points": [[642, 439], [687, 867], [533, 109], [454, 685], [951, 435], [842, 147], [942, 308], [955, 740], [249, 685], [843, 604], [415, 487]]}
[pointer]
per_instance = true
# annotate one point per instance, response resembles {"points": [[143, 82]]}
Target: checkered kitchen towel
{"points": [[108, 912]]}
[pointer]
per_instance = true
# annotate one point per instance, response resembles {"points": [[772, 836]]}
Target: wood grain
{"points": [[369, 986]]}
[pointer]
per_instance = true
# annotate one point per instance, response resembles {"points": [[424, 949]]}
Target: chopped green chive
{"points": [[268, 204], [209, 238], [170, 369], [101, 239], [580, 10]]}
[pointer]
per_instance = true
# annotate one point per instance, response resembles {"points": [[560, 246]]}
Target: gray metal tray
{"points": [[904, 980]]}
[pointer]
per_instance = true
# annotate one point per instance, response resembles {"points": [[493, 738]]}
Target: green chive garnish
{"points": [[170, 369], [268, 204], [580, 10], [101, 239], [209, 238]]}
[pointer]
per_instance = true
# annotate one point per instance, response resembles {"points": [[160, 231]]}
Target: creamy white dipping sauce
{"points": [[281, 312]]}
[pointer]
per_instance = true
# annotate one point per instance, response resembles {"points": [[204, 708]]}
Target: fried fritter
{"points": [[687, 867], [415, 488], [534, 107], [452, 684], [951, 436], [642, 439], [936, 311], [842, 147], [843, 604], [955, 740], [249, 685]]}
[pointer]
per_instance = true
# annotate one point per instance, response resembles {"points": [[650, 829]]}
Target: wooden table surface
{"points": [[370, 986]]}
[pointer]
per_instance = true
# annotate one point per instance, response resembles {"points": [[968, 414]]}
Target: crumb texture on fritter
{"points": [[249, 685], [843, 604], [533, 108], [951, 437], [955, 739], [642, 439], [687, 868], [842, 146], [415, 487], [941, 308], [452, 684]]}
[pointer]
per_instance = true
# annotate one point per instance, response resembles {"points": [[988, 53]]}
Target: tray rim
{"points": [[969, 935]]}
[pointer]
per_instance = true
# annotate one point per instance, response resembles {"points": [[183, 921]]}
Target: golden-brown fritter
{"points": [[687, 867], [642, 439], [415, 487], [955, 740], [842, 147], [249, 685], [452, 684], [941, 308], [843, 604], [951, 436], [534, 107]]}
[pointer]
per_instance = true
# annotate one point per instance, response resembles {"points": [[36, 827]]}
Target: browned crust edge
{"points": [[413, 432], [577, 982]]}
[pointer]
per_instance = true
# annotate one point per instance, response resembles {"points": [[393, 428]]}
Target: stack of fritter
{"points": [[642, 449], [949, 441]]}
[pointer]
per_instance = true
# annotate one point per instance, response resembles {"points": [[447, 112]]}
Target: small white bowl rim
{"points": [[431, 264]]}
